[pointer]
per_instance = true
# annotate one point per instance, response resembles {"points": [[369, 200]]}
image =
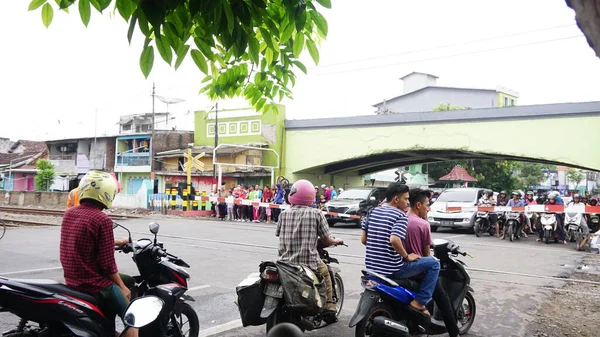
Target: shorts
{"points": [[113, 300]]}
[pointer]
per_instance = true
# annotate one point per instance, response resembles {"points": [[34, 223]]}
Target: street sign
{"points": [[194, 162]]}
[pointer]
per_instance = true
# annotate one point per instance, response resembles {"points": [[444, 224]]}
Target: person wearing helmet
{"points": [[593, 202], [87, 246], [487, 199], [552, 200], [516, 201], [585, 230], [299, 229], [529, 200], [502, 199]]}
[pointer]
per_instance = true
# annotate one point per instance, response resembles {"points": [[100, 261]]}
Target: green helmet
{"points": [[99, 186]]}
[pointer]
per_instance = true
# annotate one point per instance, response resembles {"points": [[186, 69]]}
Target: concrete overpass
{"points": [[342, 150]]}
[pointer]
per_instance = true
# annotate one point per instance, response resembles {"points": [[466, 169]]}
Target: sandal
{"points": [[422, 312]]}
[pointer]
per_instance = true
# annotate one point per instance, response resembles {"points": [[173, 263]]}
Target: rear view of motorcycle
{"points": [[284, 293], [513, 223], [483, 223], [549, 224]]}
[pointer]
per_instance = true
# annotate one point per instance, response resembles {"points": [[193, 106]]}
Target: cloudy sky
{"points": [[52, 81]]}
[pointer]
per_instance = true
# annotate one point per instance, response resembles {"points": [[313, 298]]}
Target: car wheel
{"points": [[434, 229]]}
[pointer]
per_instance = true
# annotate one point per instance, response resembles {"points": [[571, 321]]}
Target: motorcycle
{"points": [[549, 224], [573, 226], [162, 274], [594, 222], [271, 304], [62, 311], [483, 224], [513, 223], [383, 307]]}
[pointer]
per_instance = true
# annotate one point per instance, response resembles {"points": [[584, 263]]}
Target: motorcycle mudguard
{"points": [[470, 289], [270, 305], [187, 297], [367, 300]]}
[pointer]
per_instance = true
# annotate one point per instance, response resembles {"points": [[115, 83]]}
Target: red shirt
{"points": [[87, 252], [418, 234], [267, 196]]}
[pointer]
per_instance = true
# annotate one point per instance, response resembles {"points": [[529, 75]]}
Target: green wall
{"points": [[243, 130]]}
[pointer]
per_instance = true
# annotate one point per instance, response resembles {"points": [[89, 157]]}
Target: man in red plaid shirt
{"points": [[87, 246]]}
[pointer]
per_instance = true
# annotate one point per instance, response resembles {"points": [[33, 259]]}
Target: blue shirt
{"points": [[512, 203], [381, 224]]}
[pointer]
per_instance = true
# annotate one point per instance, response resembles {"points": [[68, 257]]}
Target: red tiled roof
{"points": [[457, 174], [31, 146]]}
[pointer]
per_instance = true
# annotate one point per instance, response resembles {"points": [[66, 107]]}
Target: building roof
{"points": [[432, 87], [21, 151], [458, 174], [416, 72], [208, 150]]}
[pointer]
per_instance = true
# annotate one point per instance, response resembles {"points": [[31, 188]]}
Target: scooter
{"points": [[513, 223], [572, 226], [483, 224], [383, 307], [549, 224]]}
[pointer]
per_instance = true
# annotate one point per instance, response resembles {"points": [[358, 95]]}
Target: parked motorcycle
{"points": [[162, 274], [261, 297], [383, 307], [572, 225], [483, 224], [594, 222], [61, 311], [513, 223], [549, 224]]}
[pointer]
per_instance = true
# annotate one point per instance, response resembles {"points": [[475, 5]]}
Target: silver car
{"points": [[440, 216]]}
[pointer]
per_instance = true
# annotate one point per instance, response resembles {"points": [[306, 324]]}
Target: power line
{"points": [[450, 56], [442, 47]]}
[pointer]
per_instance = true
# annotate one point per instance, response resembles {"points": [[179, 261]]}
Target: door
{"points": [[134, 185]]}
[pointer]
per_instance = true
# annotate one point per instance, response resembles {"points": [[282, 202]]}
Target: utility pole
{"points": [[216, 139], [152, 177]]}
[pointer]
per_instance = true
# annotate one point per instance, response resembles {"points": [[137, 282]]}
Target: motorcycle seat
{"points": [[407, 283], [59, 288]]}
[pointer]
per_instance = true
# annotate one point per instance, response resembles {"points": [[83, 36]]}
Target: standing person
{"points": [[278, 199], [418, 241], [87, 245], [267, 197], [230, 206], [383, 232], [327, 193], [333, 192]]}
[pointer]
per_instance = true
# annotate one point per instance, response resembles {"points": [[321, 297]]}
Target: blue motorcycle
{"points": [[383, 307]]}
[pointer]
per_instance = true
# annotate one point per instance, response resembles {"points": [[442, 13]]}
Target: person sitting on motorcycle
{"points": [[385, 228], [87, 243], [593, 202], [585, 230], [502, 199], [418, 241], [487, 199], [529, 200], [299, 229], [517, 202], [559, 225]]}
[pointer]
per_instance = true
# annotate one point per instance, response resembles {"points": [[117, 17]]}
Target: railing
{"points": [[133, 159], [61, 157]]}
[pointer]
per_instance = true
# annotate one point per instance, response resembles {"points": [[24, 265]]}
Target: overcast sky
{"points": [[53, 80]]}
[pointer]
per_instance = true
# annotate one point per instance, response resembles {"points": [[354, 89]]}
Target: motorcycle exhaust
{"points": [[385, 325]]}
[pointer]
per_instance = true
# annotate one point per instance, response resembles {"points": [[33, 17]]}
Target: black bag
{"points": [[250, 303], [300, 291]]}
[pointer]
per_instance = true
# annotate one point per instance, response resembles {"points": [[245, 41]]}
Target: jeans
{"points": [[440, 297], [428, 265]]}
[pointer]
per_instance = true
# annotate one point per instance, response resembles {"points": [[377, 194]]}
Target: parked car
{"points": [[354, 201], [439, 216]]}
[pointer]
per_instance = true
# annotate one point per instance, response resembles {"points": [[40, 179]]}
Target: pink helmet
{"points": [[302, 193]]}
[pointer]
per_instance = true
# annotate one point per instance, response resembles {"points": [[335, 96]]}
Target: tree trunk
{"points": [[587, 16]]}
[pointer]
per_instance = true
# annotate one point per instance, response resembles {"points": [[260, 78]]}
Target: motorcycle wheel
{"points": [[572, 237], [477, 229], [276, 318], [339, 291], [364, 327], [511, 233], [547, 235], [190, 317], [467, 318]]}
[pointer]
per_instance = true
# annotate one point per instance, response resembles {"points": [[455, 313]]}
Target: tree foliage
{"points": [[494, 174], [531, 174], [575, 176], [45, 175], [448, 107], [248, 48]]}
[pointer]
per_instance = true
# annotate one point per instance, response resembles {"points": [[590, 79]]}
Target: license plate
{"points": [[447, 223], [274, 290]]}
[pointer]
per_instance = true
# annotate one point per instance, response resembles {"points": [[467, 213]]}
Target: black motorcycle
{"points": [[268, 304], [383, 307], [483, 223], [161, 270], [513, 223]]}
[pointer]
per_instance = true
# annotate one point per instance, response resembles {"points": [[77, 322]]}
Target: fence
{"points": [[171, 200]]}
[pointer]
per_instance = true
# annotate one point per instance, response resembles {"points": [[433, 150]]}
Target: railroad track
{"points": [[18, 223], [55, 212]]}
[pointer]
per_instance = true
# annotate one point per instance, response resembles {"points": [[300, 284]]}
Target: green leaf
{"points": [[325, 3], [267, 37], [229, 15], [312, 49], [147, 60], [65, 4], [300, 18], [287, 34], [321, 23], [253, 48], [104, 4], [85, 11], [181, 54], [35, 4], [300, 66], [298, 44], [269, 56], [131, 28], [200, 60], [47, 15], [126, 8], [164, 49], [96, 4]]}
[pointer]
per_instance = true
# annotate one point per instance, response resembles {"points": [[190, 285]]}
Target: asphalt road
{"points": [[224, 253]]}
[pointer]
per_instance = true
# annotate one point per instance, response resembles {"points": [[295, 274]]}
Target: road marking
{"points": [[204, 286], [30, 271], [454, 236], [217, 329]]}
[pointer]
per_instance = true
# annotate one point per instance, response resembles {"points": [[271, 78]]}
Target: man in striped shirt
{"points": [[385, 229]]}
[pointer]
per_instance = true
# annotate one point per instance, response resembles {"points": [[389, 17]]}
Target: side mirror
{"points": [[372, 198], [143, 311], [154, 228], [115, 225]]}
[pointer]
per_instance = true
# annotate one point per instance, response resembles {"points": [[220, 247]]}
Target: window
{"points": [[505, 101], [512, 102], [126, 127], [357, 194], [458, 195]]}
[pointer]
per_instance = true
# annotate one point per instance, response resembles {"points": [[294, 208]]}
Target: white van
{"points": [[439, 216]]}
